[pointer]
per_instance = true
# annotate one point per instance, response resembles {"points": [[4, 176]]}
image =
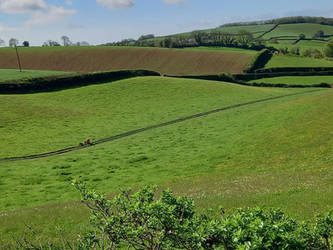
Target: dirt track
{"points": [[164, 61], [137, 131]]}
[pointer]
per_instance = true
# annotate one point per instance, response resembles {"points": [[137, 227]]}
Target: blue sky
{"points": [[100, 21]]}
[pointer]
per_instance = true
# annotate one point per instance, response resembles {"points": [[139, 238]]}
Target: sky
{"points": [[101, 21]]}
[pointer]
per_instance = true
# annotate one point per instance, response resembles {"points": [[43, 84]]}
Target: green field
{"points": [[13, 74], [296, 80], [302, 45], [308, 29], [279, 61], [232, 158]]}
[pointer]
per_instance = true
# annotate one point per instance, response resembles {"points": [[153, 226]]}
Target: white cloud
{"points": [[51, 15], [4, 28], [114, 4], [68, 2], [174, 1], [21, 6]]}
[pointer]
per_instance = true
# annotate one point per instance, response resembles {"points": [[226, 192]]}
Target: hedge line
{"points": [[259, 61], [69, 81], [255, 76], [230, 78], [294, 69]]}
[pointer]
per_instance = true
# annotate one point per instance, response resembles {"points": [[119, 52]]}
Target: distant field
{"points": [[296, 61], [88, 59], [13, 74], [226, 49], [302, 45], [233, 158], [257, 29], [296, 80], [308, 29]]}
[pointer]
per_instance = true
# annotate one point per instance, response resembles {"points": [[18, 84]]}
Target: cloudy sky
{"points": [[100, 21]]}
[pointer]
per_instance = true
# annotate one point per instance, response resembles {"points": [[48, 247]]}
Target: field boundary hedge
{"points": [[294, 69], [52, 83], [232, 79], [255, 76], [259, 61]]}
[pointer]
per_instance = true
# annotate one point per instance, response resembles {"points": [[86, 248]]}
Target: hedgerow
{"points": [[143, 220]]}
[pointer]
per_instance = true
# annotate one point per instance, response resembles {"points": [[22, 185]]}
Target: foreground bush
{"points": [[143, 221]]}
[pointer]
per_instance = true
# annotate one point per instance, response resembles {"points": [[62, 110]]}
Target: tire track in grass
{"points": [[141, 130]]}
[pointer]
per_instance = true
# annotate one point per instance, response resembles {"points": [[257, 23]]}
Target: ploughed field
{"points": [[276, 152], [89, 59]]}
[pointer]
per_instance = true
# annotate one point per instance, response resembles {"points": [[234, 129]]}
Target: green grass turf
{"points": [[257, 29], [298, 80], [13, 74], [48, 121], [276, 153], [308, 29], [302, 45], [279, 61], [224, 49]]}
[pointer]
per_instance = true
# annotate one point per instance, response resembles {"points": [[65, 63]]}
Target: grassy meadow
{"points": [[14, 74], [276, 153], [294, 30], [296, 80], [278, 61]]}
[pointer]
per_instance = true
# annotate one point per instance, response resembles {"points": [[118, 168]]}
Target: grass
{"points": [[308, 29], [297, 80], [89, 59], [13, 74], [279, 61], [302, 45], [276, 153]]}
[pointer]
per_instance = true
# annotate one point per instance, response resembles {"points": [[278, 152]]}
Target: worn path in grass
{"points": [[141, 130]]}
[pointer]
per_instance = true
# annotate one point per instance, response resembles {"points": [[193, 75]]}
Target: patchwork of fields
{"points": [[220, 143], [164, 61]]}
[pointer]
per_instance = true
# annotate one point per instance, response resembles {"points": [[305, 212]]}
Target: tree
{"points": [[13, 42], [2, 42], [50, 43], [244, 37], [329, 49], [26, 44], [301, 36], [66, 41], [198, 37]]}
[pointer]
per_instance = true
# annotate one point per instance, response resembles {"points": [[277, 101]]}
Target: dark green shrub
{"points": [[259, 61]]}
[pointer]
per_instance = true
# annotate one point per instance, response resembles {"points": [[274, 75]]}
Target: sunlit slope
{"points": [[48, 121], [290, 135]]}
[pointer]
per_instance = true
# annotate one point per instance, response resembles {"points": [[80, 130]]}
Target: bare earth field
{"points": [[92, 59]]}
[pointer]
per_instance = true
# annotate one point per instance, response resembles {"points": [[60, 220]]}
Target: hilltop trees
{"points": [[26, 44], [2, 42], [50, 43], [13, 42], [66, 41]]}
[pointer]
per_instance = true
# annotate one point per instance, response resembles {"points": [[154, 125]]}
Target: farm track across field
{"points": [[137, 131]]}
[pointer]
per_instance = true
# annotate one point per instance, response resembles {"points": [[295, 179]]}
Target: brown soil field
{"points": [[92, 59]]}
